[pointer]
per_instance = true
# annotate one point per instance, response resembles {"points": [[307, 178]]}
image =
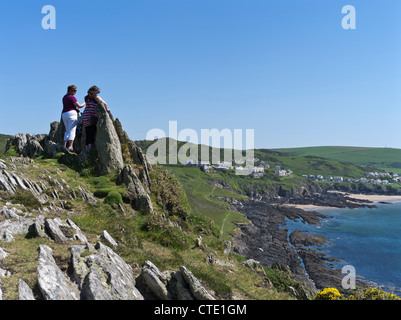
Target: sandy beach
{"points": [[375, 198], [370, 197]]}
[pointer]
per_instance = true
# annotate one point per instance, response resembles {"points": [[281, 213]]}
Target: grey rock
{"points": [[2, 165], [109, 239], [199, 241], [141, 200], [57, 230], [107, 143], [136, 153], [11, 227], [155, 282], [6, 236], [19, 142], [6, 184], [24, 292], [4, 273], [33, 148], [87, 196], [27, 145], [197, 290], [56, 134], [53, 283], [77, 233], [9, 213], [103, 274], [38, 227], [182, 288], [52, 227], [3, 254], [227, 247]]}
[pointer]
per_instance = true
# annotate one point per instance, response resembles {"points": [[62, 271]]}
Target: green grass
{"points": [[200, 192], [310, 164], [3, 142], [382, 158]]}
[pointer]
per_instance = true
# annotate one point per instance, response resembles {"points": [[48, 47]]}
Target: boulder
{"points": [[136, 153], [57, 230], [11, 227], [87, 196], [24, 292], [52, 282], [106, 236], [140, 198], [155, 282], [170, 285], [197, 290], [6, 184], [102, 275], [33, 147], [27, 145], [107, 143]]}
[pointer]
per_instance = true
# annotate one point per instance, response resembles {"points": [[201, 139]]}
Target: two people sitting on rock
{"points": [[70, 116]]}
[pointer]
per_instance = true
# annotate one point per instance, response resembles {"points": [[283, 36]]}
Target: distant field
{"points": [[312, 161], [382, 158]]}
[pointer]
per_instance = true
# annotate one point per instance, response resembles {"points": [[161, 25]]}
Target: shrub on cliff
{"points": [[368, 293], [113, 197], [169, 194]]}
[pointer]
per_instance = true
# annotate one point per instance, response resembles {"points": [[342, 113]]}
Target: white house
{"points": [[259, 169], [338, 179]]}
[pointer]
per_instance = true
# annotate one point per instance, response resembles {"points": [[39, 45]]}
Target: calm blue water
{"points": [[368, 239]]}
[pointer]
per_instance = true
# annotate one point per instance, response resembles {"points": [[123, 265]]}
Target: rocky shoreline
{"points": [[267, 237]]}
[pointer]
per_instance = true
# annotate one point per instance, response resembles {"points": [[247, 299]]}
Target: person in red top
{"points": [[70, 116], [89, 116]]}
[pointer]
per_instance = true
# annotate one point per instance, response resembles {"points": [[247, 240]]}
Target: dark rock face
{"points": [[107, 143], [140, 198], [266, 239]]}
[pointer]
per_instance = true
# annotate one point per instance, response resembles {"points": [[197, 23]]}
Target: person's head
{"points": [[72, 89], [93, 91]]}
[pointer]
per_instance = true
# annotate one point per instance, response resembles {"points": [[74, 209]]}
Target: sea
{"points": [[369, 239]]}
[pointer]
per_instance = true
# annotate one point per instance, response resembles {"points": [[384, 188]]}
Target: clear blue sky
{"points": [[286, 69]]}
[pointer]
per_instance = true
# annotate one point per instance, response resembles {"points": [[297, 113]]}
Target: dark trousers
{"points": [[90, 132]]}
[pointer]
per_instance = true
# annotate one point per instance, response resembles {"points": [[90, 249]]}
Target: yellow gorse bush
{"points": [[328, 294], [368, 293]]}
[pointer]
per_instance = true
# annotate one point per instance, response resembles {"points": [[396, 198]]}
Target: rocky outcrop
{"points": [[53, 283], [107, 143], [140, 199], [135, 152], [13, 225], [27, 145], [170, 285], [93, 272], [103, 275]]}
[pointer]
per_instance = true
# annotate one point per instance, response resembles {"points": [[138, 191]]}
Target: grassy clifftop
{"points": [[168, 238]]}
